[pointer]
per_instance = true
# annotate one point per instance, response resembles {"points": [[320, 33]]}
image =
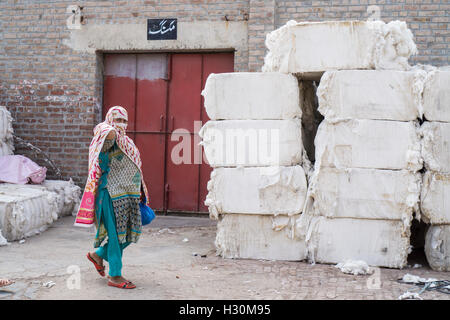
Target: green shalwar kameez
{"points": [[117, 206]]}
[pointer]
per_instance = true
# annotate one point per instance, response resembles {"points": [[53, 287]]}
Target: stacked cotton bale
{"points": [[25, 211], [6, 132], [435, 200], [6, 143], [310, 48], [253, 141], [366, 184], [67, 195], [3, 241]]}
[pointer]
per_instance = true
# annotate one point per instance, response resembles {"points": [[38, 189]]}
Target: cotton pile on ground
{"points": [[435, 200], [6, 132], [354, 267], [67, 193], [254, 142], [26, 210], [6, 143]]}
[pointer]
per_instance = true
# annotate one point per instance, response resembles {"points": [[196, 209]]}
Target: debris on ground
{"points": [[423, 284], [409, 278], [355, 267], [195, 254], [410, 296], [166, 230], [48, 284]]}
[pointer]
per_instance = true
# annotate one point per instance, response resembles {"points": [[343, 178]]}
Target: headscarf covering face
{"points": [[114, 113]]}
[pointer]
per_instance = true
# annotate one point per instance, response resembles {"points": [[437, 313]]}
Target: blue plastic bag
{"points": [[147, 214]]}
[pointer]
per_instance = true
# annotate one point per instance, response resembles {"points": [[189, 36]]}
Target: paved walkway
{"points": [[175, 259]]}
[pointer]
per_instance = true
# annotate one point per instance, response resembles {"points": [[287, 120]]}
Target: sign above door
{"points": [[162, 29]]}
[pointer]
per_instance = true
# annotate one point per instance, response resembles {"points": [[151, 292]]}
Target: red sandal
{"points": [[123, 285], [99, 268]]}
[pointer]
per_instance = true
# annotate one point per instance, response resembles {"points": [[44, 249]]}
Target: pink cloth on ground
{"points": [[17, 169]]}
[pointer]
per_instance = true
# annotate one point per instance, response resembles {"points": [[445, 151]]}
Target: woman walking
{"points": [[111, 197]]}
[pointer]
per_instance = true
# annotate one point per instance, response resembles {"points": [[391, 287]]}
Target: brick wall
{"points": [[261, 21], [54, 93]]}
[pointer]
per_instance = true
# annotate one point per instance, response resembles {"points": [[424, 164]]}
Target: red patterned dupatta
{"points": [[86, 212]]}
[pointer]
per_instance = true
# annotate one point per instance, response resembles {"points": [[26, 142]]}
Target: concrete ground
{"points": [[175, 259]]}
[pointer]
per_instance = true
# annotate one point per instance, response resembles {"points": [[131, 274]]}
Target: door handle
{"points": [[172, 121], [161, 122], [166, 196]]}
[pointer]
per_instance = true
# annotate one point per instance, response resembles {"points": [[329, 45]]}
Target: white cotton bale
{"points": [[370, 94], [376, 144], [311, 48], [252, 143], [366, 193], [3, 241], [68, 195], [379, 243], [436, 146], [6, 147], [25, 211], [257, 190], [6, 129], [252, 95], [437, 247], [436, 96], [435, 199], [258, 237]]}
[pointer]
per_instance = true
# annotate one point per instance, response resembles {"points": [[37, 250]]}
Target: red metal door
{"points": [[119, 84], [138, 82], [162, 94], [184, 109], [151, 102]]}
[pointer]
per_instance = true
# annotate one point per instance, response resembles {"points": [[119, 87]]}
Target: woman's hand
{"points": [[111, 135]]}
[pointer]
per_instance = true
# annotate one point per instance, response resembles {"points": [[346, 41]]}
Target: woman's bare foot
{"points": [[5, 282]]}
